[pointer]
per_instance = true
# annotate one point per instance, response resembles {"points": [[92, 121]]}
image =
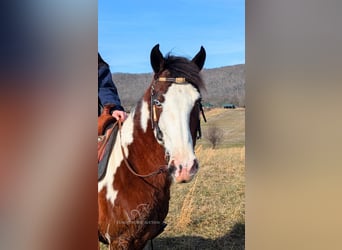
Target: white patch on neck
{"points": [[116, 158], [145, 114], [174, 120]]}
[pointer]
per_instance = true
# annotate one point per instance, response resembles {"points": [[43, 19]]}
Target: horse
{"points": [[154, 148]]}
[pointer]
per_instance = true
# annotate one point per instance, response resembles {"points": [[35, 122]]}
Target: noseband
{"points": [[155, 103]]}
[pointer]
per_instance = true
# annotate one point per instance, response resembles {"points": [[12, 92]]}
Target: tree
{"points": [[214, 135]]}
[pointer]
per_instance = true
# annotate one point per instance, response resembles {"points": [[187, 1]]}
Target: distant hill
{"points": [[224, 85]]}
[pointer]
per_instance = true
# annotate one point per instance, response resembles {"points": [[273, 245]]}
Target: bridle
{"points": [[156, 104]]}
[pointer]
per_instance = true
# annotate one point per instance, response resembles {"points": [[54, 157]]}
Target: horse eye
{"points": [[157, 103]]}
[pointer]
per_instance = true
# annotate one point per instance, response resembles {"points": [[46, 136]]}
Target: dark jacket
{"points": [[107, 92]]}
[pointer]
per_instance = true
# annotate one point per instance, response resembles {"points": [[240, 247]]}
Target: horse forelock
{"points": [[176, 66]]}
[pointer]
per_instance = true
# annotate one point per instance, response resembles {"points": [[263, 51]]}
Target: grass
{"points": [[231, 121], [209, 212]]}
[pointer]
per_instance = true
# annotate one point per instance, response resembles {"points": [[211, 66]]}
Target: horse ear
{"points": [[157, 59], [199, 58]]}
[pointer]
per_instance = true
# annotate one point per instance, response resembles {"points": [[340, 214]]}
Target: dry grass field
{"points": [[209, 212]]}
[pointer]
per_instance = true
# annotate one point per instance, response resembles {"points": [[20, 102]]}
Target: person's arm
{"points": [[107, 91]]}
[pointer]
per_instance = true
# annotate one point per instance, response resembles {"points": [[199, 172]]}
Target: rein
{"points": [[130, 168]]}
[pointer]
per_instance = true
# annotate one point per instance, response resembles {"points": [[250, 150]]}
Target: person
{"points": [[107, 92]]}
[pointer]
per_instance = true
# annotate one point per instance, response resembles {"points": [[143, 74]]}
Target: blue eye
{"points": [[157, 103]]}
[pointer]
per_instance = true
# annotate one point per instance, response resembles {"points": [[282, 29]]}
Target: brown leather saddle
{"points": [[107, 130]]}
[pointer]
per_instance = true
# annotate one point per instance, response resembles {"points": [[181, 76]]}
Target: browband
{"points": [[175, 79]]}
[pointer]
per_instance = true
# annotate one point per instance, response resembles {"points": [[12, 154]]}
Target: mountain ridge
{"points": [[223, 85]]}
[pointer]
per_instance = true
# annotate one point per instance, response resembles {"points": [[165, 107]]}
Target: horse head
{"points": [[175, 107]]}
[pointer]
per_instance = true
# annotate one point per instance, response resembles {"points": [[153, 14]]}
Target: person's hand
{"points": [[119, 115]]}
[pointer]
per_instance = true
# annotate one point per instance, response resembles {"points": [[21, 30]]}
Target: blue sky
{"points": [[127, 31]]}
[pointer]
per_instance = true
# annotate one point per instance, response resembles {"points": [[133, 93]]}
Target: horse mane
{"points": [[182, 67]]}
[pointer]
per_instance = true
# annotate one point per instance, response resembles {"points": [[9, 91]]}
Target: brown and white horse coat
{"points": [[159, 133]]}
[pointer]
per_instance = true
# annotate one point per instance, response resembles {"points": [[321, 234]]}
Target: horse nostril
{"points": [[180, 167], [194, 167], [172, 169]]}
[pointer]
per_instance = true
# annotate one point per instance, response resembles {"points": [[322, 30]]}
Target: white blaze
{"points": [[174, 121]]}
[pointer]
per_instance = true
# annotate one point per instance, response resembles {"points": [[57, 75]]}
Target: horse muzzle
{"points": [[184, 172]]}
